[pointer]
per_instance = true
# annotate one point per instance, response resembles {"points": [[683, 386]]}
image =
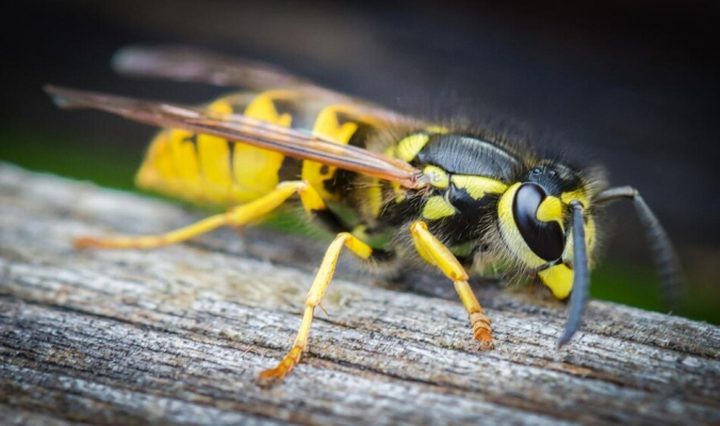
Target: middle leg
{"points": [[435, 253]]}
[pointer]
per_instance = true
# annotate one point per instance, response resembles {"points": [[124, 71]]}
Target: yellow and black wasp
{"points": [[388, 185]]}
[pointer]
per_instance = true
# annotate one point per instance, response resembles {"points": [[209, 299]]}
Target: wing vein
{"points": [[291, 142]]}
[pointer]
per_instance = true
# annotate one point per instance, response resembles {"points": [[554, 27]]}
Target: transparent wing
{"points": [[291, 142], [190, 64]]}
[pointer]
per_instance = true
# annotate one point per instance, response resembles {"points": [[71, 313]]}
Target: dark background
{"points": [[628, 84]]}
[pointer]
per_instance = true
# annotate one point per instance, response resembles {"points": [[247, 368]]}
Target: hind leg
{"points": [[312, 300], [236, 216]]}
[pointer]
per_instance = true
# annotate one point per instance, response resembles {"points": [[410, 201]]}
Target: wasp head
{"points": [[536, 222]]}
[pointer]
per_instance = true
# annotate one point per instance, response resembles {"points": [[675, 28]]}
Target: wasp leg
{"points": [[435, 253], [237, 216], [313, 299]]}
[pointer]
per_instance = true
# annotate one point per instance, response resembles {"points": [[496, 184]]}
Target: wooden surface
{"points": [[178, 335]]}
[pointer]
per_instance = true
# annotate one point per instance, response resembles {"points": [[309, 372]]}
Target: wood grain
{"points": [[177, 335]]}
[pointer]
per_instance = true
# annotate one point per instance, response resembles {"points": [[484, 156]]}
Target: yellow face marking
{"points": [[559, 279], [590, 233], [510, 233], [409, 146], [436, 208], [438, 177], [478, 186], [577, 194], [550, 210], [328, 126]]}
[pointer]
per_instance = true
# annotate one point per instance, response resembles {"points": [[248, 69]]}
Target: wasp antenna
{"points": [[660, 246], [581, 276], [663, 253]]}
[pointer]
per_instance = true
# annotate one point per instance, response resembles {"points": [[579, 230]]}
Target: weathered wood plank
{"points": [[179, 334]]}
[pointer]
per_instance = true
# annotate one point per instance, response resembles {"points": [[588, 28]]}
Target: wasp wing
{"points": [[182, 63], [291, 142], [197, 65]]}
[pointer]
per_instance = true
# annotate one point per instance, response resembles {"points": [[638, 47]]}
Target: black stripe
{"points": [[330, 220], [364, 130], [231, 159], [193, 139], [290, 169], [302, 117]]}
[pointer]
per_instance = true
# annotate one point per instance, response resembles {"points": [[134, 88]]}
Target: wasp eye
{"points": [[545, 239]]}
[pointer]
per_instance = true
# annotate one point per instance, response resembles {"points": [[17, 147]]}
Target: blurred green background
{"points": [[626, 84]]}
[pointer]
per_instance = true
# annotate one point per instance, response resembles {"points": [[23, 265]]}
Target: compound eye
{"points": [[545, 239]]}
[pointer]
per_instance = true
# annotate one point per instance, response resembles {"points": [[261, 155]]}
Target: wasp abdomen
{"points": [[209, 169]]}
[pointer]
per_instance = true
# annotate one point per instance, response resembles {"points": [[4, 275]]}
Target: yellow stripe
{"points": [[437, 129], [184, 159], [213, 159], [256, 170], [214, 153], [327, 126], [410, 146], [436, 208], [263, 107], [375, 197], [478, 186], [201, 172], [156, 168], [437, 176]]}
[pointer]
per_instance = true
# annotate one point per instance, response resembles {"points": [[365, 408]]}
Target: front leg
{"points": [[435, 253]]}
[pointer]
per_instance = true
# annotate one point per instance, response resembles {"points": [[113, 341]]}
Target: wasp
{"points": [[389, 186]]}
